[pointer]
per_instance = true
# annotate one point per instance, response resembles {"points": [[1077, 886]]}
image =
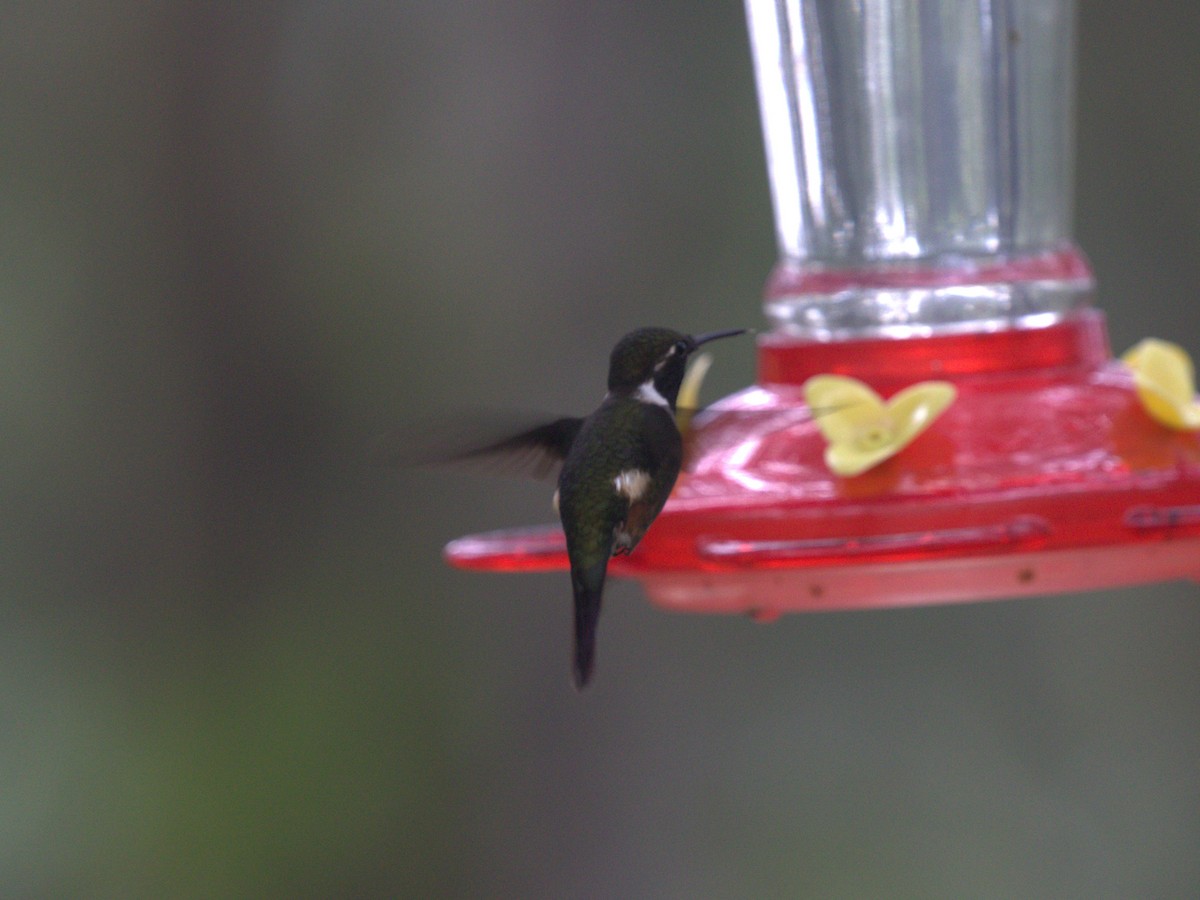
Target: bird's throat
{"points": [[647, 392]]}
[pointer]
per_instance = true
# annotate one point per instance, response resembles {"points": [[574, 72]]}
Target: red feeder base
{"points": [[1043, 476]]}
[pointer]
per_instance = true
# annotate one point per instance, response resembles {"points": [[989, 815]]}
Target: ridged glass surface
{"points": [[919, 156]]}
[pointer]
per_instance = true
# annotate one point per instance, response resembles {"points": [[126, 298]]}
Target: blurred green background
{"points": [[240, 241]]}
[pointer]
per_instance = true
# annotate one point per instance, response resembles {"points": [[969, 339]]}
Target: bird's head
{"points": [[650, 363]]}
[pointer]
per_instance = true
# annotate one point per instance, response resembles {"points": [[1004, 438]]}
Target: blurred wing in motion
{"points": [[486, 447], [537, 453]]}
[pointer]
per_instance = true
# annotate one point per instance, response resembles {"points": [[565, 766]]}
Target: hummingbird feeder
{"points": [[920, 161]]}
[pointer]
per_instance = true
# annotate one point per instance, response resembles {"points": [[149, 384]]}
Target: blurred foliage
{"points": [[240, 241]]}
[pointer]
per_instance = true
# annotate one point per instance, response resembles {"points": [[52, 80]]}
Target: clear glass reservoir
{"points": [[920, 158]]}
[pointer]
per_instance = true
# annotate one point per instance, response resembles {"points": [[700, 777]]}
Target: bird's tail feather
{"points": [[588, 583]]}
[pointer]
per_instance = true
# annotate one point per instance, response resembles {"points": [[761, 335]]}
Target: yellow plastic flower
{"points": [[688, 400], [862, 430], [1165, 382]]}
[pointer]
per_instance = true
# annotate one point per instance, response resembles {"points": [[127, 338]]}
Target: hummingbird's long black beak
{"points": [[716, 335]]}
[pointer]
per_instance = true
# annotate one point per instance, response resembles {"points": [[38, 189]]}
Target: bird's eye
{"points": [[681, 347]]}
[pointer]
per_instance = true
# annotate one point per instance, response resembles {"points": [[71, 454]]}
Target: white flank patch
{"points": [[648, 393], [632, 483]]}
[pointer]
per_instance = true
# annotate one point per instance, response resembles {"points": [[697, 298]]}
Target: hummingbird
{"points": [[616, 467]]}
